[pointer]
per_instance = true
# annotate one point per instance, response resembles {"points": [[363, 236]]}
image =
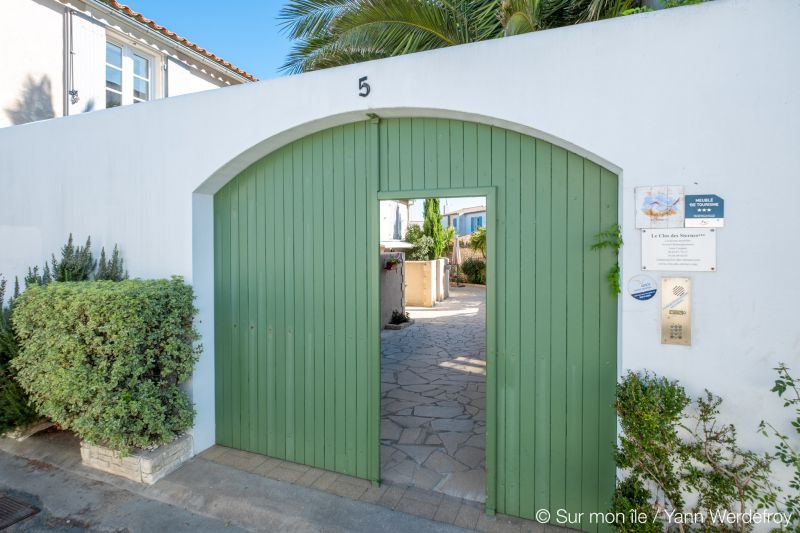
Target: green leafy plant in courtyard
{"points": [[787, 448], [15, 407], [672, 452], [423, 244], [477, 241], [611, 239], [399, 317], [107, 359], [475, 270]]}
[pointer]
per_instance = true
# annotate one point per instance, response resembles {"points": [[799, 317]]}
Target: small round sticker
{"points": [[642, 287]]}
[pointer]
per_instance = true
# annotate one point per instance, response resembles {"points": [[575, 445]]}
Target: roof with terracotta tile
{"points": [[138, 17]]}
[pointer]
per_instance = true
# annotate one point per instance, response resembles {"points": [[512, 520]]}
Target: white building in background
{"points": [[466, 220], [394, 216], [63, 58]]}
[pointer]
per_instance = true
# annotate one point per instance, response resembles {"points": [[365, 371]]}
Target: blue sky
{"points": [[244, 32]]}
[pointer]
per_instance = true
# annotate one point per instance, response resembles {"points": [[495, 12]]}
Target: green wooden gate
{"points": [[296, 294]]}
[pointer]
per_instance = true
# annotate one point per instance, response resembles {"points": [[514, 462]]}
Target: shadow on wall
{"points": [[35, 102]]}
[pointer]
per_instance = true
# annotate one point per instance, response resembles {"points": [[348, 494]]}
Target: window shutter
{"points": [[87, 73]]}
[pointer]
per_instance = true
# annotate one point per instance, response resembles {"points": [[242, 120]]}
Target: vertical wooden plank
{"points": [[491, 353], [608, 349], [251, 420], [470, 149], [418, 153], [575, 252], [393, 153], [456, 153], [279, 199], [558, 330], [330, 292], [320, 260], [308, 259], [289, 297], [233, 385], [223, 318], [497, 156], [272, 296], [527, 376], [542, 331], [384, 153], [485, 163], [512, 320], [349, 357], [591, 340], [406, 157], [431, 161], [218, 319], [243, 388], [340, 300], [361, 272], [261, 325], [443, 153], [374, 390], [298, 244]]}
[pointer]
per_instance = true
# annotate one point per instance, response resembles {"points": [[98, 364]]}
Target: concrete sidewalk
{"points": [[45, 471]]}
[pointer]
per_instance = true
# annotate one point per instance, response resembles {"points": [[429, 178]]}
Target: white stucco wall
{"points": [[32, 51], [32, 59], [703, 96], [185, 79], [388, 217]]}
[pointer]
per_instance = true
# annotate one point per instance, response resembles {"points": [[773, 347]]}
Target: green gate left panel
{"points": [[291, 350]]}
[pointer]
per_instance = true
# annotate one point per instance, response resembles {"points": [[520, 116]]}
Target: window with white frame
{"points": [[129, 75], [113, 75]]}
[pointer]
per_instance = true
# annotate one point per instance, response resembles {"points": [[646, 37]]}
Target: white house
{"points": [[568, 121], [393, 222], [66, 57]]}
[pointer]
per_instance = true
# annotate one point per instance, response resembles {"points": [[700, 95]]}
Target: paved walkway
{"points": [[433, 392], [221, 493]]}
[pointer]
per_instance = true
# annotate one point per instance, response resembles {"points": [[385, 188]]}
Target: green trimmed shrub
{"points": [[106, 359], [475, 270], [15, 408]]}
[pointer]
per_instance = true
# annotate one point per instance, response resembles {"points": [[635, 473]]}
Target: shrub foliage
{"points": [[475, 271], [671, 447], [15, 409], [106, 360]]}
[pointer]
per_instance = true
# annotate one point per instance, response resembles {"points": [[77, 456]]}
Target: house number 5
{"points": [[363, 87]]}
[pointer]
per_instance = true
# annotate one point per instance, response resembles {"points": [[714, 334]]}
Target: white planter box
{"points": [[142, 466]]}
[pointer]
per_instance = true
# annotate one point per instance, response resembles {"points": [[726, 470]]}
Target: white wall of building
{"points": [[31, 60], [389, 210], [32, 52], [185, 79], [703, 96]]}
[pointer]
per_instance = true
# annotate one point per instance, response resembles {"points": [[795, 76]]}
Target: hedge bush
{"points": [[15, 407], [475, 270], [106, 359]]}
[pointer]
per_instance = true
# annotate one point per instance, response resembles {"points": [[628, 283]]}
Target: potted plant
{"points": [[391, 263]]}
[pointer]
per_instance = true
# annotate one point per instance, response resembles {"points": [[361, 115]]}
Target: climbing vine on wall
{"points": [[611, 238]]}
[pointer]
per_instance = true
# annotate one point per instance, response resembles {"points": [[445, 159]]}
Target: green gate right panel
{"points": [[556, 318]]}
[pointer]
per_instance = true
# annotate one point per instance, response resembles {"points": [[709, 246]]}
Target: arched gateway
{"points": [[296, 295]]}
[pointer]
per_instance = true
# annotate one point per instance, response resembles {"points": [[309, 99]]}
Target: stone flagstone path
{"points": [[433, 397]]}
